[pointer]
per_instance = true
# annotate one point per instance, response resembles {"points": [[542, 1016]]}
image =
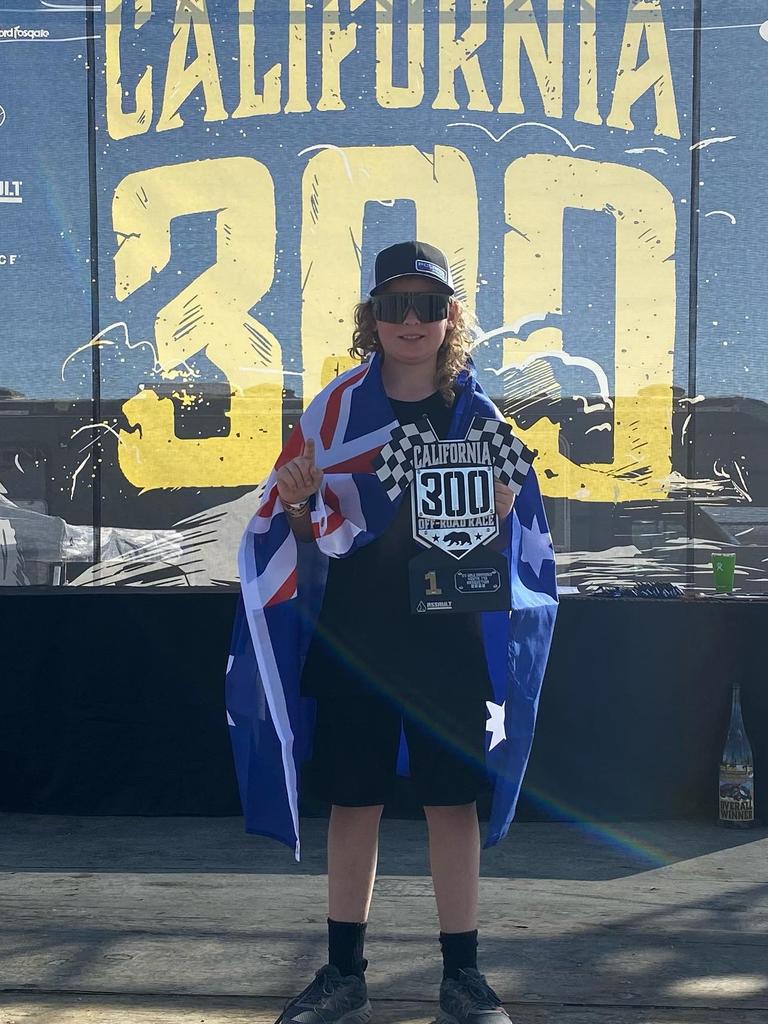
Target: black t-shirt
{"points": [[366, 636]]}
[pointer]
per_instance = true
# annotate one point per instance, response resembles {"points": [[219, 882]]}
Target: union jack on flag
{"points": [[282, 584]]}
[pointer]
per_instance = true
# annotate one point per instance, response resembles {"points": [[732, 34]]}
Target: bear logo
{"points": [[458, 538]]}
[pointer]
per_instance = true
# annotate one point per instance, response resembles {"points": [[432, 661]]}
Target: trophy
{"points": [[453, 511]]}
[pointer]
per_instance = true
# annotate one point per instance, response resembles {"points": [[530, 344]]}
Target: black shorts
{"points": [[357, 740]]}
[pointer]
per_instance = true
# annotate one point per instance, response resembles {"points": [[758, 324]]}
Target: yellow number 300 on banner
{"points": [[212, 313]]}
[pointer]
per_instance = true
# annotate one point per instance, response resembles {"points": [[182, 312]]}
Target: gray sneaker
{"points": [[330, 999], [470, 1000]]}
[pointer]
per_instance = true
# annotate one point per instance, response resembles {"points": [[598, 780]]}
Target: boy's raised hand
{"points": [[300, 477]]}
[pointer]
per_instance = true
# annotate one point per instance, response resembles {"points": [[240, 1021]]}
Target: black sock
{"points": [[345, 947], [459, 951]]}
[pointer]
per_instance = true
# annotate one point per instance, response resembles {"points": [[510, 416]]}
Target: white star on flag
{"points": [[495, 724], [536, 547]]}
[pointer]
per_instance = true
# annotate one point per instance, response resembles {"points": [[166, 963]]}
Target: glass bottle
{"points": [[737, 772]]}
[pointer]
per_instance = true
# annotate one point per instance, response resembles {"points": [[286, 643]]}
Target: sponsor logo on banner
{"points": [[10, 191], [453, 498], [2, 116], [17, 32], [7, 259]]}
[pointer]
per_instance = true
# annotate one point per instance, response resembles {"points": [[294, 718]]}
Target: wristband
{"points": [[295, 509]]}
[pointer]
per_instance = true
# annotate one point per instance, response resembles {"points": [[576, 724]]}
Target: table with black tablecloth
{"points": [[112, 703]]}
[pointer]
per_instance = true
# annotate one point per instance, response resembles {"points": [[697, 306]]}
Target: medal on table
{"points": [[453, 512]]}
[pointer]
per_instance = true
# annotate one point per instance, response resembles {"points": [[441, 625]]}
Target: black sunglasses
{"points": [[392, 307]]}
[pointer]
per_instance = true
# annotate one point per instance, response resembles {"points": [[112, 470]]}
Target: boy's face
{"points": [[413, 341]]}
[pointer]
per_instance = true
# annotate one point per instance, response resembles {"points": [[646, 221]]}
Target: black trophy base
{"points": [[442, 585]]}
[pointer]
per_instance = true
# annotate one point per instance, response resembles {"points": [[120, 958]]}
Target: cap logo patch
{"points": [[432, 268]]}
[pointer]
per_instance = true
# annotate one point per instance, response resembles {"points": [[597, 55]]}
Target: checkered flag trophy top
{"points": [[394, 463], [511, 458]]}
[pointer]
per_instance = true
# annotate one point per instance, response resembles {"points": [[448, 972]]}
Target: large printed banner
{"points": [[191, 197]]}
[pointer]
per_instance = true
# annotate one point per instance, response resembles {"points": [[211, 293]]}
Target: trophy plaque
{"points": [[453, 511]]}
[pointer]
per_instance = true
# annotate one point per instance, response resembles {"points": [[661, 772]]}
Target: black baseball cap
{"points": [[411, 259]]}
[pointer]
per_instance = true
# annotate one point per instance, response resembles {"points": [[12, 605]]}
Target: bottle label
{"points": [[737, 794]]}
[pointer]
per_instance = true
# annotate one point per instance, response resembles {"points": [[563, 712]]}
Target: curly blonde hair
{"points": [[451, 357]]}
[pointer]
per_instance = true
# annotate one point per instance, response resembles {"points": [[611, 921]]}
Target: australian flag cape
{"points": [[281, 590]]}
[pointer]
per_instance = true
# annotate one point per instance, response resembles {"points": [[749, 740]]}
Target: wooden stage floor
{"points": [[188, 920]]}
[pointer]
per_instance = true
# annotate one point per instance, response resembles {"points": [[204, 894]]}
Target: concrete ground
{"points": [[188, 920]]}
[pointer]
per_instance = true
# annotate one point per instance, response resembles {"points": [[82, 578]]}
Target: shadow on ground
{"points": [[579, 851], [639, 918]]}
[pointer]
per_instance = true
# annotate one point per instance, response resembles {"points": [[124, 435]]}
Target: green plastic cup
{"points": [[722, 569]]}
